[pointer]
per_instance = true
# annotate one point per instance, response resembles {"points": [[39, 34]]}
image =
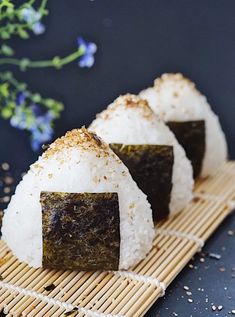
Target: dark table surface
{"points": [[206, 280], [137, 41]]}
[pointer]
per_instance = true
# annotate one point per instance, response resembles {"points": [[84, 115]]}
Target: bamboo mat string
{"points": [[141, 278], [50, 300], [179, 234]]}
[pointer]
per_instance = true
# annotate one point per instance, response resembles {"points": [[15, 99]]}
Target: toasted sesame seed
{"points": [[215, 256], [213, 307], [5, 166]]}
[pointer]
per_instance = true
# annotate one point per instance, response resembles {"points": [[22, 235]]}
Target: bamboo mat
{"points": [[129, 294]]}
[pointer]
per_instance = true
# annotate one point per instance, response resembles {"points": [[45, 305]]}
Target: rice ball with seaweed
{"points": [[186, 111], [150, 150], [78, 208]]}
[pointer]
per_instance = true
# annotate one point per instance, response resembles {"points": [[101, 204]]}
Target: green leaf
{"points": [[22, 33], [58, 106], [6, 50], [11, 28], [22, 86], [4, 90], [49, 103], [6, 113], [11, 105], [44, 12], [36, 98], [10, 11], [4, 35], [6, 76], [6, 4]]}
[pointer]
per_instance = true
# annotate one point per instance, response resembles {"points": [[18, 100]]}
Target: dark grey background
{"points": [[137, 41]]}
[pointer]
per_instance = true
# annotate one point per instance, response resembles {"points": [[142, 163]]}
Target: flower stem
{"points": [[11, 61], [56, 62], [8, 77], [43, 5], [15, 26]]}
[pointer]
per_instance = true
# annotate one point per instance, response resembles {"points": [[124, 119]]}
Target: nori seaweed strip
{"points": [[151, 167], [192, 136], [80, 231]]}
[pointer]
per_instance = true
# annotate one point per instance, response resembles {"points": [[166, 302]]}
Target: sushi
{"points": [[176, 100], [78, 208], [151, 152]]}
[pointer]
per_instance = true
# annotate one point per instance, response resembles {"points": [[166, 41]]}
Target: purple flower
{"points": [[89, 49], [33, 18], [37, 111], [42, 130], [39, 125], [20, 98], [40, 135]]}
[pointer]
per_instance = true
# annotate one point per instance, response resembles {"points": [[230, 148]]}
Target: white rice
{"points": [[175, 98], [76, 163], [129, 120]]}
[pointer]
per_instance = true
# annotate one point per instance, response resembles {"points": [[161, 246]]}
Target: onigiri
{"points": [[151, 152], [176, 100], [78, 208]]}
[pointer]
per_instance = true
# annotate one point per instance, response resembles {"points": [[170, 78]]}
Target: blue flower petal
{"points": [[91, 48], [81, 42], [36, 110], [33, 17], [40, 134], [18, 120], [26, 14], [30, 15], [38, 28], [50, 116], [35, 144], [20, 98], [86, 61]]}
